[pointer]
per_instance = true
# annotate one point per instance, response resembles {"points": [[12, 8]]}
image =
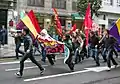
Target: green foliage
{"points": [[95, 6]]}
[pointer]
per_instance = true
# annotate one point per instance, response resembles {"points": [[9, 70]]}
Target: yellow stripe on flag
{"points": [[29, 24], [118, 25]]}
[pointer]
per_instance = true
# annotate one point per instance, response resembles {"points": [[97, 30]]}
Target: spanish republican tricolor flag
{"points": [[58, 24], [30, 21], [115, 31], [32, 24]]}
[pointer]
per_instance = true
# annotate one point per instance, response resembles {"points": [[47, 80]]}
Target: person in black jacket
{"points": [[28, 53], [94, 41], [109, 43]]}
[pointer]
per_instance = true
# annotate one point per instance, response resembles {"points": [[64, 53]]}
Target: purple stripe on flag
{"points": [[114, 32], [20, 25]]}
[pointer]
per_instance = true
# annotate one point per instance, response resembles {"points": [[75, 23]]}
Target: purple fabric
{"points": [[114, 32], [20, 25]]}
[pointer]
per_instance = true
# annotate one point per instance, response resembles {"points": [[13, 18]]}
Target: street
{"points": [[85, 73]]}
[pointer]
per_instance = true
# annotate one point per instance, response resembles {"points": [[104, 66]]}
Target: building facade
{"points": [[6, 13], [109, 13], [44, 13]]}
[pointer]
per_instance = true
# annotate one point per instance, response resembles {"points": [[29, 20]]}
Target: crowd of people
{"points": [[76, 42]]}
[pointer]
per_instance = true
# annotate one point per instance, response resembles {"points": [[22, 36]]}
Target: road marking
{"points": [[25, 68], [14, 62], [94, 69], [99, 69], [57, 75], [27, 61]]}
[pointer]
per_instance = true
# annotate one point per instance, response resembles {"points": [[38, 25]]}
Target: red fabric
{"points": [[58, 24], [34, 21], [73, 29], [87, 22]]}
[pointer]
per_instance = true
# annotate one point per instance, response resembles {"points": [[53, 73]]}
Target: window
{"points": [[74, 5], [108, 2], [118, 3], [38, 3], [60, 4]]}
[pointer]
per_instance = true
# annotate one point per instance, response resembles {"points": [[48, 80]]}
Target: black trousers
{"points": [[110, 58], [69, 61], [31, 57], [50, 58], [115, 52]]}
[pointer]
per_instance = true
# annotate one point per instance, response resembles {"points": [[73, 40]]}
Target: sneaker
{"points": [[109, 69], [42, 71], [18, 74], [116, 66]]}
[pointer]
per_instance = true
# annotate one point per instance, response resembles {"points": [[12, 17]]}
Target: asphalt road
{"points": [[85, 73]]}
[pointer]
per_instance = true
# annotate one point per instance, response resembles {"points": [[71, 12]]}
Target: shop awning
{"points": [[76, 16]]}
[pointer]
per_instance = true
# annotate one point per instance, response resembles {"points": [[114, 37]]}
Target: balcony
{"points": [[8, 4]]}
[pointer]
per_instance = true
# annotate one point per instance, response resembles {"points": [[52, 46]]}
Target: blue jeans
{"points": [[77, 54], [104, 54], [94, 54], [43, 54], [36, 49], [89, 51]]}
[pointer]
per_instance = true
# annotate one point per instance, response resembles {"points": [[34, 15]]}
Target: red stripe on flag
{"points": [[34, 21]]}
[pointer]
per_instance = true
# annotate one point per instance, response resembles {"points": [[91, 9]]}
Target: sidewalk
{"points": [[9, 49]]}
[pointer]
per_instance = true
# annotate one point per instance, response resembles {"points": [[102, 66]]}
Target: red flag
{"points": [[73, 29], [58, 24], [87, 22]]}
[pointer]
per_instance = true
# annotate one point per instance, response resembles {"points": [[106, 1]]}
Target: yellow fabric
{"points": [[118, 25], [52, 43], [29, 24]]}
